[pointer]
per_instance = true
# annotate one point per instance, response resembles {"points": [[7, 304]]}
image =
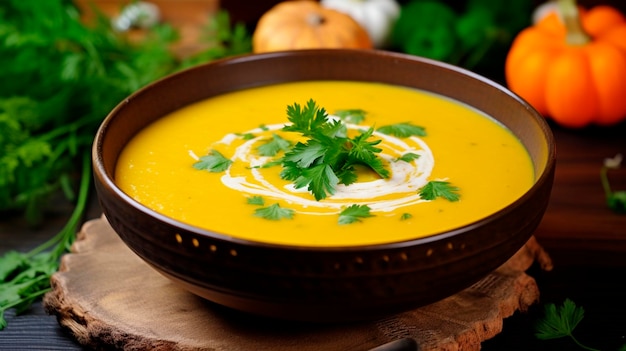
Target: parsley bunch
{"points": [[328, 156], [60, 78]]}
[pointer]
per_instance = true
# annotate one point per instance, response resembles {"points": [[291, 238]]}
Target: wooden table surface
{"points": [[585, 239]]}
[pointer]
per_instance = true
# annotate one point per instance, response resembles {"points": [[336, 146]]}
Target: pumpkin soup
{"points": [[325, 163]]}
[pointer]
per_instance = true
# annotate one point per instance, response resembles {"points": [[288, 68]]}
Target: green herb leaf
{"points": [[435, 188], [270, 164], [274, 212], [364, 152], [408, 157], [305, 155], [354, 213], [256, 200], [560, 322], [213, 162], [274, 145], [320, 179], [308, 120], [354, 116], [403, 130], [406, 216], [246, 136], [12, 262]]}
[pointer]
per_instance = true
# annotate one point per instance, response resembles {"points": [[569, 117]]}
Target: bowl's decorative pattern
{"points": [[322, 283]]}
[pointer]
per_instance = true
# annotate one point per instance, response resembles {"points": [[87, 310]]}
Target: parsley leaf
{"points": [[354, 116], [255, 200], [246, 136], [304, 155], [408, 157], [354, 213], [274, 212], [273, 146], [364, 152], [321, 180], [436, 188], [308, 120], [213, 162], [560, 322], [403, 130], [406, 216]]}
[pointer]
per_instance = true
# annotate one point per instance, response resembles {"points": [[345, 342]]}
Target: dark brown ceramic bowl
{"points": [[322, 284]]}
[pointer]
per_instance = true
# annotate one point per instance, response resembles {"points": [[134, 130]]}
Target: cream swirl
{"points": [[381, 195]]}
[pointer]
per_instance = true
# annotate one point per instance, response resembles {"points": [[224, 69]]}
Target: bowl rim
{"points": [[107, 180]]}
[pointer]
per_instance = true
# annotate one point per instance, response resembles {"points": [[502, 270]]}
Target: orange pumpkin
{"points": [[305, 24], [572, 70]]}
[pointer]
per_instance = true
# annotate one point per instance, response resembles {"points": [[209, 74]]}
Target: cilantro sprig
{"points": [[403, 130], [328, 156], [354, 213], [559, 322], [273, 146], [437, 188], [408, 157], [274, 212], [213, 162]]}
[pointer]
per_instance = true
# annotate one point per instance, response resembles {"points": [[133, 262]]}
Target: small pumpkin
{"points": [[306, 24], [376, 16], [572, 68]]}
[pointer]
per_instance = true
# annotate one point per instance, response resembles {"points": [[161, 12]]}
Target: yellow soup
{"points": [[475, 159]]}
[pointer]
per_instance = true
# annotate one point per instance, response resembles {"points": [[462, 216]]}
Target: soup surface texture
{"points": [[477, 164]]}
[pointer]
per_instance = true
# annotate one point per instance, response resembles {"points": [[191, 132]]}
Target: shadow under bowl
{"points": [[322, 284]]}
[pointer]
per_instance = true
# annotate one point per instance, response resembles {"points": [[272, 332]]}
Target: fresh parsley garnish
{"points": [[406, 216], [354, 213], [328, 157], [437, 188], [255, 200], [408, 157], [269, 164], [246, 136], [213, 162], [354, 116], [560, 322], [274, 212], [273, 146], [403, 130]]}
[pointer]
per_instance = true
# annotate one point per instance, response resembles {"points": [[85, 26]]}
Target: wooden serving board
{"points": [[108, 298]]}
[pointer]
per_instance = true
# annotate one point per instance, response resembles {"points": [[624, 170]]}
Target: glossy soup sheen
{"points": [[471, 151]]}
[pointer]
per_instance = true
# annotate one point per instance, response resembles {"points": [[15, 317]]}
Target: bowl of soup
{"points": [[324, 185]]}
